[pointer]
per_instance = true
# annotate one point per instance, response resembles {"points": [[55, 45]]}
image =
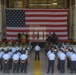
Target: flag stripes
{"points": [[44, 21]]}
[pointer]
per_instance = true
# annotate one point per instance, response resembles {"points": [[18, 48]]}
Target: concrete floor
{"points": [[43, 61]]}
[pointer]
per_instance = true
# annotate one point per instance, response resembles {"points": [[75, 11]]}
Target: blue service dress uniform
{"points": [[37, 50], [23, 59], [15, 62], [6, 59], [51, 59], [62, 57], [1, 55], [73, 62]]}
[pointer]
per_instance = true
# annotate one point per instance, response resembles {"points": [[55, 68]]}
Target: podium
{"points": [[23, 39]]}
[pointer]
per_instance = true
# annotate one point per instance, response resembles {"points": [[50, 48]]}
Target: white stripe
{"points": [[58, 33], [45, 18], [63, 38], [40, 28], [49, 23], [45, 13], [14, 38]]}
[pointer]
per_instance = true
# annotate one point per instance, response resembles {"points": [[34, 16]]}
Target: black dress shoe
{"points": [[25, 72], [17, 72], [71, 72], [52, 72], [47, 72], [7, 71]]}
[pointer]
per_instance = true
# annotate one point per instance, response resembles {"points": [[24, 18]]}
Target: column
{"points": [[23, 3], [75, 21], [0, 21], [52, 4], [70, 20]]}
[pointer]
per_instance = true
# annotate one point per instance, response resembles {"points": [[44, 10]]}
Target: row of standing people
{"points": [[62, 54], [15, 59]]}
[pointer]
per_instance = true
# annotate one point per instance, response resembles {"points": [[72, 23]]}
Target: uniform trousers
{"points": [[1, 64], [10, 63], [73, 66], [23, 66], [68, 63], [50, 64], [62, 66], [37, 55], [6, 67], [15, 67], [58, 65]]}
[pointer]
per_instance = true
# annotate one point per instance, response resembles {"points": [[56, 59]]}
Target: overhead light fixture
{"points": [[55, 3], [40, 4], [45, 4]]}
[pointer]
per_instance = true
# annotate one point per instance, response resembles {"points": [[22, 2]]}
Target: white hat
{"points": [[20, 48], [10, 48], [1, 48], [62, 48], [5, 48], [23, 48], [17, 48]]}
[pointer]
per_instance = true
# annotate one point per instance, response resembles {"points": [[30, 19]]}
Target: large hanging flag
{"points": [[26, 20]]}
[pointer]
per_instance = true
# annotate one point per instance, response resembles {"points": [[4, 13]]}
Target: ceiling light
{"points": [[55, 3]]}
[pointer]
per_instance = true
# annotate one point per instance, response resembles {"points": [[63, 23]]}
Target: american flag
{"points": [[29, 20]]}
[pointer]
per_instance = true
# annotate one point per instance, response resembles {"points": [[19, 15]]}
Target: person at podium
{"points": [[19, 38], [23, 38], [26, 37]]}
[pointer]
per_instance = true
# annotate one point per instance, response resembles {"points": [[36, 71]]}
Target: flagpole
{"points": [[23, 3]]}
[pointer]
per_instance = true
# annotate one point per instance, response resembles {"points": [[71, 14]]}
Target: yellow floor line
{"points": [[37, 68]]}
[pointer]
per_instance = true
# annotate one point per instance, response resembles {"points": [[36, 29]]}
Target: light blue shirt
{"points": [[13, 49], [23, 57], [73, 57], [18, 53], [49, 52], [15, 57], [6, 56], [1, 54], [62, 56], [67, 53], [37, 48], [70, 53], [10, 54], [51, 56], [58, 53]]}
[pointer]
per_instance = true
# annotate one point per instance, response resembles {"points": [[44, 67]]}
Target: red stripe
{"points": [[10, 30], [44, 15], [45, 20], [43, 25], [44, 10]]}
